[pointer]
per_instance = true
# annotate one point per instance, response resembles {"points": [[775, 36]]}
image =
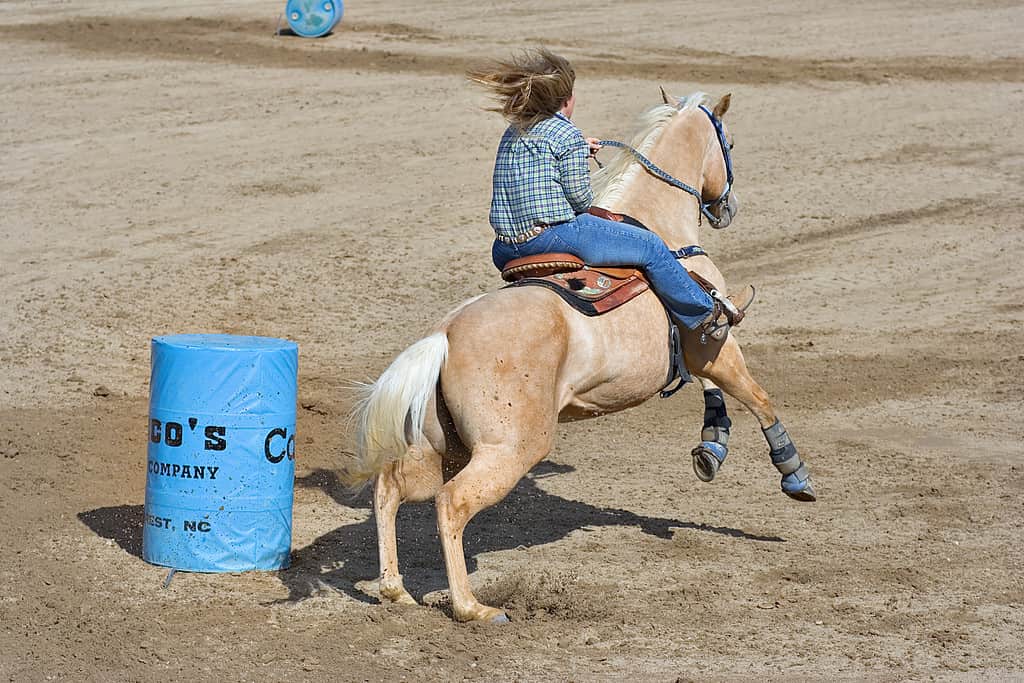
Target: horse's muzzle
{"points": [[726, 211]]}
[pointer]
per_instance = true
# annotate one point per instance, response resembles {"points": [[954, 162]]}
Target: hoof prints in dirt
{"points": [[528, 594]]}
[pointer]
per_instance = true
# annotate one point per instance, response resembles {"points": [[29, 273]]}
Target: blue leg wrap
{"points": [[716, 419], [710, 454], [796, 480]]}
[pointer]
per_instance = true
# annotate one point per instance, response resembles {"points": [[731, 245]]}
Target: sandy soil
{"points": [[181, 169]]}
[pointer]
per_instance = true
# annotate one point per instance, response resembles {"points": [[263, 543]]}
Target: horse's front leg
{"points": [[709, 455], [722, 362]]}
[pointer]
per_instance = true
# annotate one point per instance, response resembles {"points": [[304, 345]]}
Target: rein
{"points": [[705, 207]]}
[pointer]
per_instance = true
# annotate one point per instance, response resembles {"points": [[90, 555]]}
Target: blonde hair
{"points": [[530, 87]]}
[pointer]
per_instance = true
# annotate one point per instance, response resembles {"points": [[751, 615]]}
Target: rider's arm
{"points": [[574, 174]]}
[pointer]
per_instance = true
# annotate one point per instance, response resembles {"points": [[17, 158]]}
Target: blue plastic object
{"points": [[221, 456], [313, 18]]}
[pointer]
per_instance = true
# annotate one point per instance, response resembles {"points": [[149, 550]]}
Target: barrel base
{"points": [[216, 542]]}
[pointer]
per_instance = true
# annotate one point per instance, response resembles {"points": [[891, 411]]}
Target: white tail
{"points": [[390, 413]]}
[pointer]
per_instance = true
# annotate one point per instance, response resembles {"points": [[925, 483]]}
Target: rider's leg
{"points": [[601, 242]]}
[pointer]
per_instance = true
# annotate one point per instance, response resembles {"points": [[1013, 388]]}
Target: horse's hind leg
{"points": [[723, 364], [491, 474], [416, 477]]}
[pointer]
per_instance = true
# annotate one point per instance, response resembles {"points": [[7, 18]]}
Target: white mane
{"points": [[610, 182]]}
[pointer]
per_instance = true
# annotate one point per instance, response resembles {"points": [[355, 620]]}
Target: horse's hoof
{"points": [[482, 614], [707, 459], [392, 590], [404, 599], [802, 491]]}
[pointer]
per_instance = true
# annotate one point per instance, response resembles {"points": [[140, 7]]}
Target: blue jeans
{"points": [[601, 242]]}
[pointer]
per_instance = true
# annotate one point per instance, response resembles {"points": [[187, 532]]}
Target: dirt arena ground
{"points": [[175, 167]]}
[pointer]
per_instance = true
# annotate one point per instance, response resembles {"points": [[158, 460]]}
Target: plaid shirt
{"points": [[540, 176]]}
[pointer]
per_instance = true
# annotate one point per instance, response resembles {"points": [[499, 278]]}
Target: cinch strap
{"points": [[676, 364]]}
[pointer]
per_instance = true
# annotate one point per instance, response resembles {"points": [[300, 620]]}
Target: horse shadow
{"points": [[345, 559]]}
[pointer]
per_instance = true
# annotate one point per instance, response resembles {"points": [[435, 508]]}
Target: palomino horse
{"points": [[463, 414]]}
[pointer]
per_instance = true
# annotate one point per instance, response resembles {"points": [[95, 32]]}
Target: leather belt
{"points": [[527, 236]]}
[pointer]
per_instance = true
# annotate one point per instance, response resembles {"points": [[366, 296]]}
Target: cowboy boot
{"points": [[727, 312]]}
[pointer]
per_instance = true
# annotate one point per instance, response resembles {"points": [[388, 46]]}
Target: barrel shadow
{"points": [[346, 557], [119, 523]]}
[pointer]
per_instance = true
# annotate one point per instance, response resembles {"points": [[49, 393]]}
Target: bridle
{"points": [[705, 207], [723, 199]]}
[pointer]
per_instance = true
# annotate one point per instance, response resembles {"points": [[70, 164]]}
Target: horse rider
{"points": [[541, 190]]}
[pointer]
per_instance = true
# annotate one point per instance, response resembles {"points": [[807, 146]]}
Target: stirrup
{"points": [[729, 311]]}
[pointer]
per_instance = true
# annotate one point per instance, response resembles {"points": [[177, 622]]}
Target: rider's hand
{"points": [[594, 144]]}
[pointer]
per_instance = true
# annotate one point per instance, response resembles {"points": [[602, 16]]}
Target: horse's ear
{"points": [[722, 106], [665, 98]]}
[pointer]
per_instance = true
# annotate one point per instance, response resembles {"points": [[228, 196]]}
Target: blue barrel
{"points": [[221, 455], [313, 18]]}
